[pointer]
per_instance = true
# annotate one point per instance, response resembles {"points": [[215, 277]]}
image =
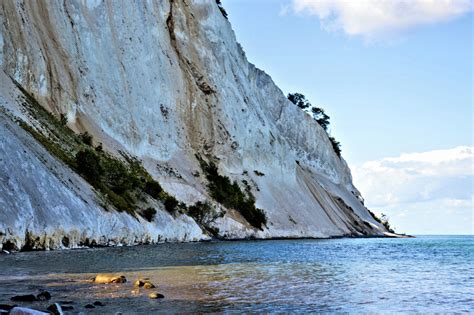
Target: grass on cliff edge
{"points": [[122, 183]]}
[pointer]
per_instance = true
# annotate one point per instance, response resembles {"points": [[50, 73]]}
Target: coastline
{"points": [[210, 240]]}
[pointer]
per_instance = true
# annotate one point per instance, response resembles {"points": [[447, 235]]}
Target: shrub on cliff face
{"points": [[117, 176], [205, 214], [202, 212], [149, 214], [153, 188], [385, 223], [299, 100], [231, 196], [336, 146], [320, 116], [121, 182], [63, 119], [221, 8], [170, 203], [86, 138], [382, 220], [88, 164]]}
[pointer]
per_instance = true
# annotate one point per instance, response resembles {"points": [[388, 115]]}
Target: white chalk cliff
{"points": [[163, 81]]}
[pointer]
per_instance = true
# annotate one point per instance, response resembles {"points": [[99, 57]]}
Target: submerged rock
{"points": [[24, 298], [6, 307], [98, 303], [89, 306], [44, 296]]}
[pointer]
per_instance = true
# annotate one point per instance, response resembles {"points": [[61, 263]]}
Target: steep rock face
{"points": [[166, 80]]}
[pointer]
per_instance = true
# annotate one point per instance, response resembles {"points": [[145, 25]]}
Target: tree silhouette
{"points": [[299, 100], [320, 116]]}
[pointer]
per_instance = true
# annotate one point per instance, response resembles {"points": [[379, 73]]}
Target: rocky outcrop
{"points": [[162, 81]]}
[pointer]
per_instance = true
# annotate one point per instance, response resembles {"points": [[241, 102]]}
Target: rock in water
{"points": [[155, 295], [43, 296], [98, 303], [148, 285], [6, 307], [89, 306], [24, 298], [109, 278], [56, 309]]}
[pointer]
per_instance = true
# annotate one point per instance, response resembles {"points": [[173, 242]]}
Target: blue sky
{"points": [[393, 85]]}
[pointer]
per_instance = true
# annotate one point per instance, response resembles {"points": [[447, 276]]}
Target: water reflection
{"points": [[367, 275]]}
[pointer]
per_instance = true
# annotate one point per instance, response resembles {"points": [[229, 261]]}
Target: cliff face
{"points": [[162, 81]]}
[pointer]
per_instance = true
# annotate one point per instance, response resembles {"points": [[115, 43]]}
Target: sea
{"points": [[425, 274]]}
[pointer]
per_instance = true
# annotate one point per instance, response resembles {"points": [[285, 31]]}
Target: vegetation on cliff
{"points": [[123, 183], [229, 194], [318, 115]]}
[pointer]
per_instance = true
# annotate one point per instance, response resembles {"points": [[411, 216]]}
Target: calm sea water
{"points": [[426, 274]]}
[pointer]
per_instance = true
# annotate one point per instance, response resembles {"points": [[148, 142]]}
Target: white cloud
{"points": [[375, 18], [426, 187]]}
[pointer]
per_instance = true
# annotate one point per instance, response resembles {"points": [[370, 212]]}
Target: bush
{"points": [[88, 164], [202, 212], [299, 100], [336, 146], [385, 223], [231, 196], [382, 220], [170, 203], [63, 119], [120, 202], [321, 118], [221, 8], [86, 138], [121, 183], [153, 188], [117, 176], [149, 214]]}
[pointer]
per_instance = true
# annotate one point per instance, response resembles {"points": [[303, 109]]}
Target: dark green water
{"points": [[427, 274]]}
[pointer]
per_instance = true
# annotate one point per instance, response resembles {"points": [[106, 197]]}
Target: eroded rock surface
{"points": [[162, 81]]}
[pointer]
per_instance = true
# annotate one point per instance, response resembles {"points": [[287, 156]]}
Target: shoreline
{"points": [[386, 235]]}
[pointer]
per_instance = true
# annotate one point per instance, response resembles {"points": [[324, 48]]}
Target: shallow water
{"points": [[420, 275]]}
